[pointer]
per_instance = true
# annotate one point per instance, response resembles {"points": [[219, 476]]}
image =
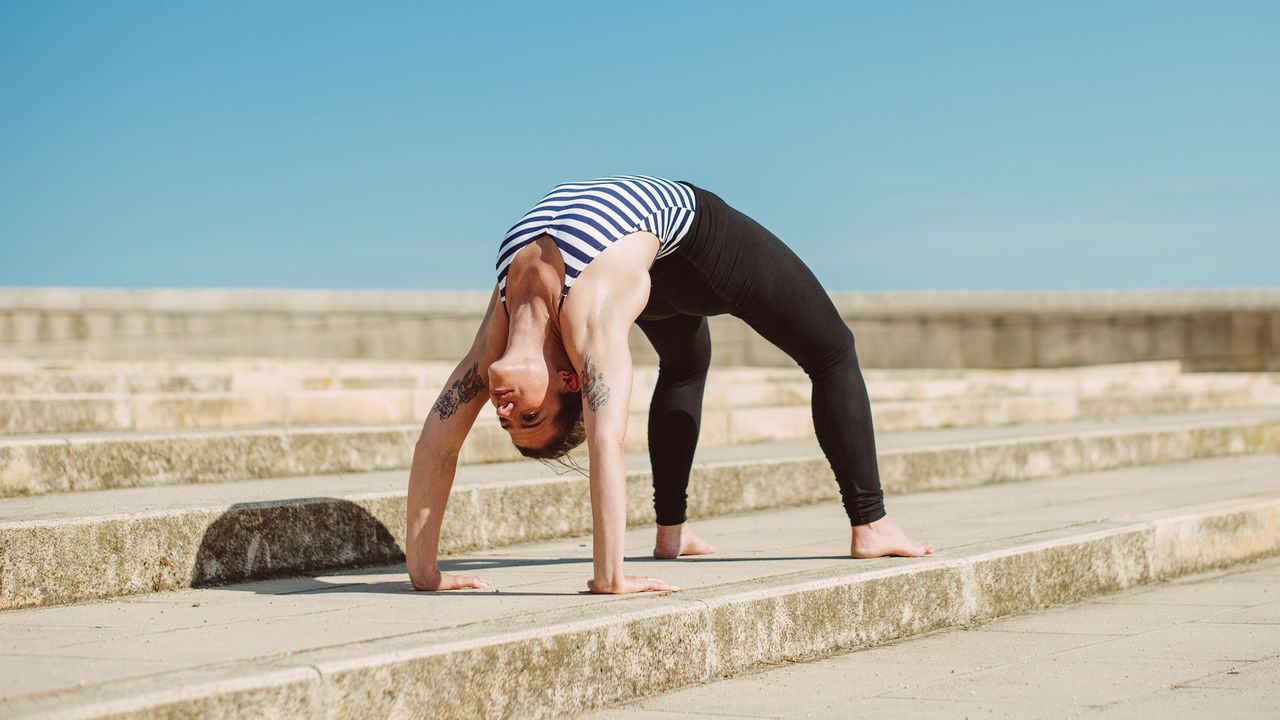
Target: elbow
{"points": [[606, 442], [430, 453]]}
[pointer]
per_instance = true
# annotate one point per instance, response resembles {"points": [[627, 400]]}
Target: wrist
{"points": [[425, 581], [421, 570], [608, 576]]}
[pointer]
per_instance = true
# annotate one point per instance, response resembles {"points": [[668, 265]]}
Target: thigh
{"points": [[775, 292], [683, 342], [681, 287]]}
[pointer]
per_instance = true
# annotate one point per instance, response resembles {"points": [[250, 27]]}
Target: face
{"points": [[526, 393]]}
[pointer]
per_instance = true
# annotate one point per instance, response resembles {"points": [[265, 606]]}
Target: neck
{"points": [[534, 313], [534, 281]]}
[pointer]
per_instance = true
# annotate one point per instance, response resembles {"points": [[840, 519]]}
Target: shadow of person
{"points": [[307, 537], [256, 541]]}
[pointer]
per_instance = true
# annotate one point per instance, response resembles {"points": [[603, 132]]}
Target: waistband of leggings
{"points": [[705, 203]]}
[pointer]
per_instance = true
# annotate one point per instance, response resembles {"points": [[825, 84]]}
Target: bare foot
{"points": [[884, 537], [676, 540]]}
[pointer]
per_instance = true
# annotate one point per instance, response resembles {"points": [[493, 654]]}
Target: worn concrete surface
{"points": [[361, 642], [1224, 329], [242, 374], [167, 396], [1205, 646], [36, 464], [69, 547], [273, 377], [139, 396], [744, 406]]}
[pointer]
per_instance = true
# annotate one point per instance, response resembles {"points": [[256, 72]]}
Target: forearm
{"points": [[609, 513], [430, 480]]}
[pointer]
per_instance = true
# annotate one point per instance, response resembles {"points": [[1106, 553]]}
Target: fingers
{"points": [[461, 582], [656, 585], [467, 581]]}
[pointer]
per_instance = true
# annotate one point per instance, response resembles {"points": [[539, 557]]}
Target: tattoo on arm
{"points": [[462, 391], [593, 386]]}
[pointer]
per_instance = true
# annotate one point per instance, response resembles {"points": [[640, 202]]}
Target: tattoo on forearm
{"points": [[462, 391], [593, 386]]}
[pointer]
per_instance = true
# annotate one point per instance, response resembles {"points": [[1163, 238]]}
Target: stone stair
{"points": [[1039, 487], [60, 442]]}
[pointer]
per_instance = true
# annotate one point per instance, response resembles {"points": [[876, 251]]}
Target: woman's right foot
{"points": [[676, 540], [884, 538]]}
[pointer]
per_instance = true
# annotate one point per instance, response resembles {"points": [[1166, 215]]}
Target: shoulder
{"points": [[491, 339], [612, 290]]}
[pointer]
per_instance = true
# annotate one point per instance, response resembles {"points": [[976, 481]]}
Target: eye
{"points": [[529, 416]]}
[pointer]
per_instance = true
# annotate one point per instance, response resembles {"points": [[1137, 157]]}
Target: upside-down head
{"points": [[539, 402]]}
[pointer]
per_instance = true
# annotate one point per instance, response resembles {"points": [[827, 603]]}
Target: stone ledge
{"points": [[53, 560], [39, 464], [573, 659], [474, 301], [29, 414]]}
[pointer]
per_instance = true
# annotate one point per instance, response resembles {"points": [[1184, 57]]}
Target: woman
{"points": [[664, 255]]}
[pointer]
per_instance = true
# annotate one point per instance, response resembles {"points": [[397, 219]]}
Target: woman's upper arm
{"points": [[601, 352], [491, 338], [460, 401]]}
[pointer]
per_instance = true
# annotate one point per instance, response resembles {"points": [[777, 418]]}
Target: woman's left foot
{"points": [[676, 540], [882, 538]]}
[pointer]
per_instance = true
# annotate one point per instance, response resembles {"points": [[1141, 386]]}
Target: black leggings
{"points": [[729, 263]]}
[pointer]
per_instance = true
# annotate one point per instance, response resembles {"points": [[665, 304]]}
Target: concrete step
{"points": [[1201, 646], [274, 379], [117, 412], [369, 367], [155, 412], [361, 644], [38, 464], [20, 377], [67, 548], [159, 412]]}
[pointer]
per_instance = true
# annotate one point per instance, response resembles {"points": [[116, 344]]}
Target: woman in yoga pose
{"points": [[664, 255]]}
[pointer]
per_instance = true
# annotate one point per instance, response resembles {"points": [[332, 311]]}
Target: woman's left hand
{"points": [[631, 584]]}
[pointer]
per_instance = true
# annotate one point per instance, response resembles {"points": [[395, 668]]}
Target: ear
{"points": [[570, 380]]}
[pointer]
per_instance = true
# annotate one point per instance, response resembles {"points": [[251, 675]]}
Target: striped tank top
{"points": [[584, 218]]}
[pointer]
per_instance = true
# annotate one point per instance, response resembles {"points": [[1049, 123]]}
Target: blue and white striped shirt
{"points": [[584, 218]]}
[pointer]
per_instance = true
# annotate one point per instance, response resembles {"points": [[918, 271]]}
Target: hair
{"points": [[570, 432]]}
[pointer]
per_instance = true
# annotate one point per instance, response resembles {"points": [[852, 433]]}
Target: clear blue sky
{"points": [[894, 145]]}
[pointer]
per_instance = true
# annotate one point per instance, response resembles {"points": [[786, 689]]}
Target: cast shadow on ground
{"points": [[257, 541], [303, 538], [290, 544]]}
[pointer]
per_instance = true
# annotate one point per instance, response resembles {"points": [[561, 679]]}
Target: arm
{"points": [[608, 297], [605, 363], [435, 456]]}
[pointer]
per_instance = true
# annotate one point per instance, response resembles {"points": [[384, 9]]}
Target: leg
{"points": [[769, 287], [683, 343], [823, 346], [842, 422]]}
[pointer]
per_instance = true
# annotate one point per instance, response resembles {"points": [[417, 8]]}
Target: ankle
{"points": [[872, 525]]}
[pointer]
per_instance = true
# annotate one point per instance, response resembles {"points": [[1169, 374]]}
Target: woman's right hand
{"points": [[444, 581]]}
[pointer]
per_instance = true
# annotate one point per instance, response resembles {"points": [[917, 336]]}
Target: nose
{"points": [[505, 408]]}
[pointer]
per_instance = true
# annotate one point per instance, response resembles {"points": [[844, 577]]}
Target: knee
{"points": [[692, 363], [836, 353], [693, 367]]}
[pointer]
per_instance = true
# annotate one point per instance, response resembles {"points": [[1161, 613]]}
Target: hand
{"points": [[630, 584], [445, 581]]}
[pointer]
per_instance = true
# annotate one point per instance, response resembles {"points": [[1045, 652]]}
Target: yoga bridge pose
{"points": [[556, 365]]}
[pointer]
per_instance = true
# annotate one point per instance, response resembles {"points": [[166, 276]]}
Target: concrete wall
{"points": [[1208, 330]]}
